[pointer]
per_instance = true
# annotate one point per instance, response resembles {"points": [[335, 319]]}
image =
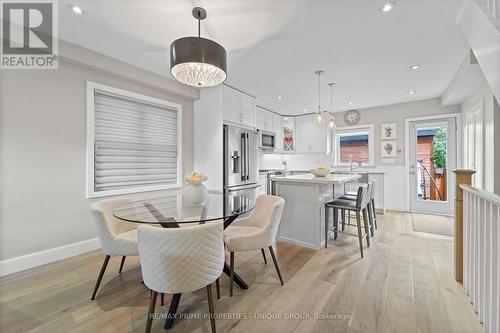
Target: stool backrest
{"points": [[361, 197]]}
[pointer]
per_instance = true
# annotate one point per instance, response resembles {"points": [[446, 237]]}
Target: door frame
{"points": [[458, 139]]}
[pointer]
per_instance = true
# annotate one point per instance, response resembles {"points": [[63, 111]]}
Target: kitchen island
{"points": [[305, 197]]}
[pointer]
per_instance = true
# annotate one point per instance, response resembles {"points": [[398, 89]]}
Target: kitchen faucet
{"points": [[351, 164]]}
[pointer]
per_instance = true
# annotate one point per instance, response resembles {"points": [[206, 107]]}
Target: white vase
{"points": [[194, 193]]}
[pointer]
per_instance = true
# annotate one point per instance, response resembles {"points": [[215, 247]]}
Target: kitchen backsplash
{"points": [[294, 161]]}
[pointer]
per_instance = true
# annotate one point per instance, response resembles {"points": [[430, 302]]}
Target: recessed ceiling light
{"points": [[77, 10], [411, 92], [280, 97], [387, 7], [285, 118], [415, 67], [305, 110], [350, 103]]}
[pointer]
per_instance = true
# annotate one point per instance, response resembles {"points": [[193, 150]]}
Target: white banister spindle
{"points": [[481, 264]]}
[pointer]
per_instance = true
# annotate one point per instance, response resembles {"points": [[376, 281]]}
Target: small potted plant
{"points": [[195, 192]]}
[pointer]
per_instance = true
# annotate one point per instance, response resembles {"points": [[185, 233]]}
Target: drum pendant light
{"points": [[319, 113], [197, 61]]}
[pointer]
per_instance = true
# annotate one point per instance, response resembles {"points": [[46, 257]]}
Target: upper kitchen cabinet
{"points": [[278, 130], [239, 108], [311, 137], [264, 119], [231, 108]]}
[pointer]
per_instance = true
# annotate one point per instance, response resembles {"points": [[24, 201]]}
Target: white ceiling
{"points": [[274, 46]]}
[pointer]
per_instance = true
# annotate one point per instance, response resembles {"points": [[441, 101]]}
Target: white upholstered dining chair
{"points": [[117, 237], [255, 232], [179, 260]]}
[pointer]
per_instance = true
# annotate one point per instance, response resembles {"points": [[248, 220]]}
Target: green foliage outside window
{"points": [[439, 142]]}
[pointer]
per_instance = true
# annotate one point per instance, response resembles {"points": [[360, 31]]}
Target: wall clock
{"points": [[351, 117]]}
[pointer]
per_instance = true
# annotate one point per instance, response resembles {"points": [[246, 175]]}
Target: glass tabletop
{"points": [[173, 209]]}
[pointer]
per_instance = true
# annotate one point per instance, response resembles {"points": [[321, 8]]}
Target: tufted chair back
{"points": [[108, 226], [267, 213], [178, 260]]}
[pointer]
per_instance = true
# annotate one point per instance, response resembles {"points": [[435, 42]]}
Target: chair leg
{"points": [[231, 273], [211, 307], [151, 311], [367, 228], [217, 288], [335, 222], [360, 238], [326, 227], [101, 273], [162, 299], [343, 219], [276, 264], [121, 264], [374, 213], [370, 220], [264, 255]]}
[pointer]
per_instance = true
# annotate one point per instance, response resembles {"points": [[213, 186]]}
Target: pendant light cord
{"points": [[319, 92], [199, 26]]}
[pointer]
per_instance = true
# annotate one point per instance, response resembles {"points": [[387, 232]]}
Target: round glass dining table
{"points": [[171, 210]]}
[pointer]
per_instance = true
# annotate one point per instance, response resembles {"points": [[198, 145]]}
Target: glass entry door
{"points": [[432, 161]]}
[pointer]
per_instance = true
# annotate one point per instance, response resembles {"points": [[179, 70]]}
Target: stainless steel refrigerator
{"points": [[241, 163]]}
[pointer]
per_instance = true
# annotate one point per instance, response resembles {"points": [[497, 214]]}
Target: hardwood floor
{"points": [[404, 284]]}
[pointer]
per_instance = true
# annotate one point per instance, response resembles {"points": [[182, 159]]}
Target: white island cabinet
{"points": [[303, 220]]}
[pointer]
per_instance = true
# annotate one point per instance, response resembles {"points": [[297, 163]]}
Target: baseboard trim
{"points": [[18, 264]]}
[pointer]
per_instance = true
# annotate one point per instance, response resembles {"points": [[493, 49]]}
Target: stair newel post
{"points": [[463, 176]]}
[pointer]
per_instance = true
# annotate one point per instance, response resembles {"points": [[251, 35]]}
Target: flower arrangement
{"points": [[195, 178]]}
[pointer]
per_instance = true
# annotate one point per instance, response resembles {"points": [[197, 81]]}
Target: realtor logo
{"points": [[29, 34]]}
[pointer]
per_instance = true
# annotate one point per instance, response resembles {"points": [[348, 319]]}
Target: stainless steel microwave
{"points": [[267, 140]]}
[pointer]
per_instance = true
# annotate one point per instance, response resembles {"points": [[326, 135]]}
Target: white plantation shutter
{"points": [[135, 144]]}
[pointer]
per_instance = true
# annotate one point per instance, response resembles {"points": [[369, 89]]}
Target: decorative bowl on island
{"points": [[321, 171]]}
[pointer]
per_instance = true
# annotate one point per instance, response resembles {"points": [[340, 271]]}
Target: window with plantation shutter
{"points": [[133, 142]]}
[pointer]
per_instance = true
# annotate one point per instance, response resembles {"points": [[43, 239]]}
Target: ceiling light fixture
{"points": [[415, 67], [77, 10], [331, 120], [305, 110], [280, 97], [411, 92], [319, 114], [350, 103], [387, 7], [197, 61]]}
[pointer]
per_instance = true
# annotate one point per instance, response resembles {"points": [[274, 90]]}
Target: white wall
{"points": [[491, 134], [395, 172], [43, 146]]}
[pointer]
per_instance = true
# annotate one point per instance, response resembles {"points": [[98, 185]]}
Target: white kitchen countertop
{"points": [[312, 179]]}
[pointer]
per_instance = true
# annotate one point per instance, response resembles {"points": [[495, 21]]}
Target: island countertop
{"points": [[312, 179]]}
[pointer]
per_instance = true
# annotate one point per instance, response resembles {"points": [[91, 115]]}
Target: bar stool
{"points": [[359, 206], [372, 215]]}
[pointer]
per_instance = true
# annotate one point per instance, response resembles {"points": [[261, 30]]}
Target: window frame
{"points": [[90, 162], [353, 130]]}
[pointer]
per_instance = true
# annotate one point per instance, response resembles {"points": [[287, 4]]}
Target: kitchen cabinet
{"points": [[264, 119], [311, 137], [231, 108], [239, 108], [288, 134], [278, 130]]}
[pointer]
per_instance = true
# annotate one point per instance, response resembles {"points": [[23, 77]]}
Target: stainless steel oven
{"points": [[267, 140]]}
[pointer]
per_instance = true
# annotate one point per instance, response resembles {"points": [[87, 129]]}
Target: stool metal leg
{"points": [[343, 219], [326, 227], [367, 228], [370, 219], [374, 213], [335, 222], [358, 222]]}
